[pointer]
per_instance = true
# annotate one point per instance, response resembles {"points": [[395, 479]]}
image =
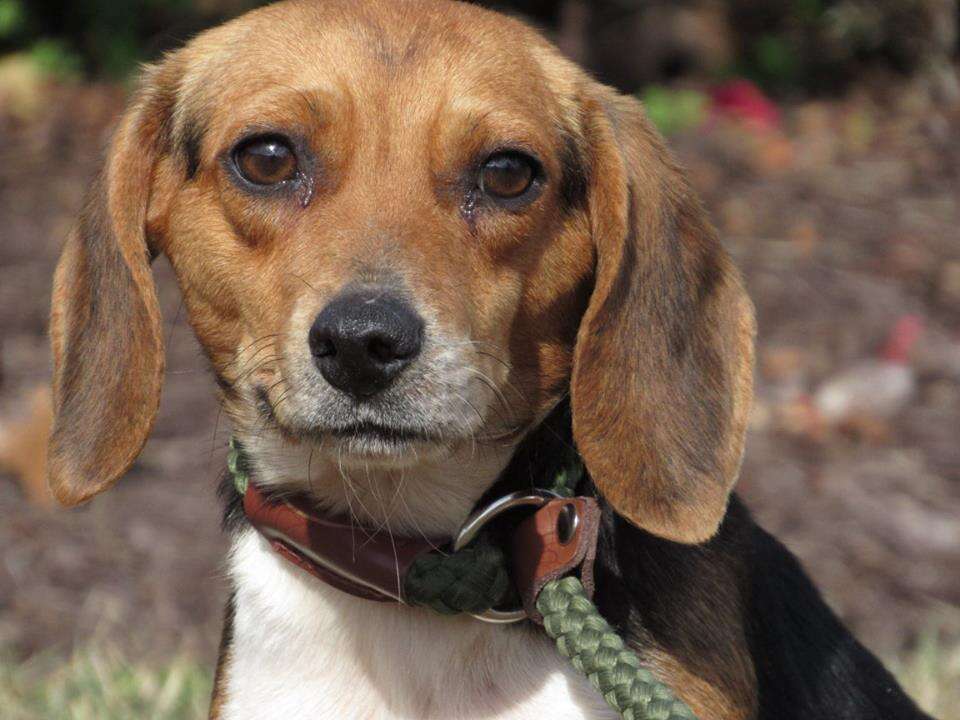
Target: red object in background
{"points": [[904, 335], [743, 100], [876, 388]]}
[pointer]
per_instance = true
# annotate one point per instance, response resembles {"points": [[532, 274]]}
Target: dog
{"points": [[425, 254]]}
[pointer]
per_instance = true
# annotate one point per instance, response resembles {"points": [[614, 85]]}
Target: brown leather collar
{"points": [[372, 565], [356, 560]]}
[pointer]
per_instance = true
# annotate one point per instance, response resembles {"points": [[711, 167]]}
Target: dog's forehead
{"points": [[367, 46]]}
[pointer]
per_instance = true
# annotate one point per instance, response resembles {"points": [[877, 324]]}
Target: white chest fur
{"points": [[302, 650]]}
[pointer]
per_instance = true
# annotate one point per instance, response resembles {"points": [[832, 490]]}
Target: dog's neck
{"points": [[296, 642], [432, 496]]}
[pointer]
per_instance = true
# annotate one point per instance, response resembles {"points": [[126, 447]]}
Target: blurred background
{"points": [[824, 136]]}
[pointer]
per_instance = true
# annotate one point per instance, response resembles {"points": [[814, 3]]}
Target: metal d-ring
{"points": [[476, 522]]}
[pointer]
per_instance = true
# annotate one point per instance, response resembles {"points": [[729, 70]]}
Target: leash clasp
{"points": [[533, 499]]}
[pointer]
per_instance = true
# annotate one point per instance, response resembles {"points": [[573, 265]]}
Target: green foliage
{"points": [[823, 44], [674, 111], [105, 38], [55, 59], [808, 10], [12, 18], [777, 59]]}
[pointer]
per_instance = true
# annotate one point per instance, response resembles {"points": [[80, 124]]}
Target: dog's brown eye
{"points": [[507, 175], [266, 161]]}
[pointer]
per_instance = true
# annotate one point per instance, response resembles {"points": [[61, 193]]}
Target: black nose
{"points": [[364, 338]]}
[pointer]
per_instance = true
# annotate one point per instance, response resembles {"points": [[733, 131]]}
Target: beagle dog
{"points": [[424, 253]]}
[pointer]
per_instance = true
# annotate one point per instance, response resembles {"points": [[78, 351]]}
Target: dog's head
{"points": [[404, 232]]}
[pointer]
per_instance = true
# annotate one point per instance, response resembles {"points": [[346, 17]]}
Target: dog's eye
{"points": [[507, 175], [266, 161]]}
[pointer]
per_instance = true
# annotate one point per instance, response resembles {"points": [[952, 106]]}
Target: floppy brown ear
{"points": [[663, 367], [105, 321]]}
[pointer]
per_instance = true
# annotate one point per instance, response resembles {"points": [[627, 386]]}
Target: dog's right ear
{"points": [[105, 322]]}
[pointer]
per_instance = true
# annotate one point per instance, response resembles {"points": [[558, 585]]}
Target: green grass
{"points": [[931, 674], [103, 685]]}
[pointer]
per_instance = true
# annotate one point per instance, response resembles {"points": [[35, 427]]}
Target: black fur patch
{"points": [[233, 518], [575, 178], [225, 386], [223, 655], [540, 457], [682, 597], [808, 664], [622, 290], [190, 144]]}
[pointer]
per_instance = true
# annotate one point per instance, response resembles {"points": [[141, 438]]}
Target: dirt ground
{"points": [[843, 221]]}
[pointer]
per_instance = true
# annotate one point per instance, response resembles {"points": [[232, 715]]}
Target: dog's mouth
{"points": [[377, 432], [378, 442], [365, 437]]}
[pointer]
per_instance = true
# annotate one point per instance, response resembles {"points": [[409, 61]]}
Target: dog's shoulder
{"points": [[741, 611]]}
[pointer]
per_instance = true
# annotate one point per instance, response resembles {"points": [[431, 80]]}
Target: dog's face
{"points": [[381, 255], [404, 232]]}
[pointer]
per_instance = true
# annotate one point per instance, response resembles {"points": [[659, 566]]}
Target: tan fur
{"points": [[705, 697], [219, 695], [704, 656], [663, 376], [617, 291], [23, 446], [105, 322]]}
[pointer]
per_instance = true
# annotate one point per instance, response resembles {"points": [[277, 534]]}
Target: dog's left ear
{"points": [[105, 326], [663, 367]]}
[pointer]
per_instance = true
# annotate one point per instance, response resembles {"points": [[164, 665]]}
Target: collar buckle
{"points": [[532, 499]]}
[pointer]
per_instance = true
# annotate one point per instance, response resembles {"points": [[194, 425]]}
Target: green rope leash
{"points": [[594, 647], [596, 650], [476, 579]]}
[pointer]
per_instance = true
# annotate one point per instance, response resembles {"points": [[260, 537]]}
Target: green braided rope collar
{"points": [[476, 578]]}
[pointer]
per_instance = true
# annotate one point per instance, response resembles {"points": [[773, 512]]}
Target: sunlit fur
{"points": [[607, 289], [600, 310]]}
